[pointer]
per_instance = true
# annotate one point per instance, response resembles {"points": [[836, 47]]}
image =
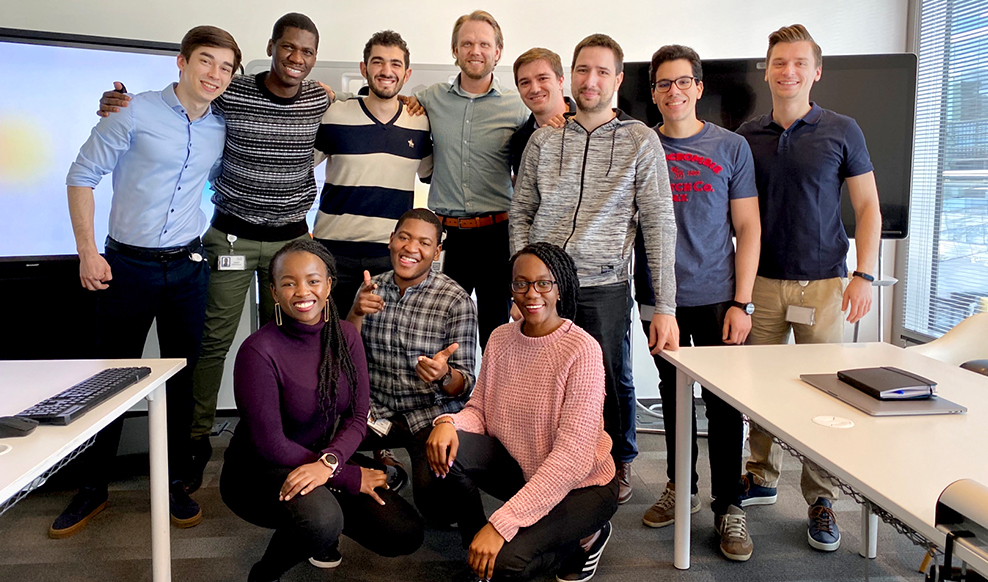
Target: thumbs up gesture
{"points": [[434, 368], [366, 301]]}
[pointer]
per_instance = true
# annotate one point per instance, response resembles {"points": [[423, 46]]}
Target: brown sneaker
{"points": [[624, 482], [663, 511], [735, 543]]}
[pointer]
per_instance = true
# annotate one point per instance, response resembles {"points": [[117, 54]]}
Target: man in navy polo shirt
{"points": [[161, 151], [803, 155]]}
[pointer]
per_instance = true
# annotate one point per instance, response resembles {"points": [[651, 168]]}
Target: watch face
{"points": [[749, 308]]}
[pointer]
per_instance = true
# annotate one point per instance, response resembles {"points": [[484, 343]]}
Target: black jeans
{"points": [[605, 313], [426, 488], [350, 277], [174, 293], [482, 463], [307, 525], [725, 433], [477, 259]]}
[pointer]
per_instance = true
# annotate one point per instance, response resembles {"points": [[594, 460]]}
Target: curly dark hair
{"points": [[335, 349], [563, 268]]}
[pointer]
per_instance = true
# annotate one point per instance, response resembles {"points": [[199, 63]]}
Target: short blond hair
{"points": [[480, 16], [539, 54], [794, 33]]}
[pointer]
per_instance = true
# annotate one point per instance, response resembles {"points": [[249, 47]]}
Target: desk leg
{"points": [[161, 563], [684, 449], [869, 531]]}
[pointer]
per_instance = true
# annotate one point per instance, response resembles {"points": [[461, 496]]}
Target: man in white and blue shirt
{"points": [[161, 151]]}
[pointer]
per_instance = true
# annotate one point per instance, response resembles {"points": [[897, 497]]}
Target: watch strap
{"points": [[864, 276]]}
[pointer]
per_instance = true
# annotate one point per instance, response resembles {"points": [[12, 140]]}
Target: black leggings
{"points": [[482, 463], [308, 525]]}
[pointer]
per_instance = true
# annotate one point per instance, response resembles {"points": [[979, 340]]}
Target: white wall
{"points": [[715, 28]]}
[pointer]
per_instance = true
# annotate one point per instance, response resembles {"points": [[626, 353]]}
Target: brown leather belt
{"points": [[474, 221]]}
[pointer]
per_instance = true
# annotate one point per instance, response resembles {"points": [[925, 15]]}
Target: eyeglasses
{"points": [[683, 83], [521, 287]]}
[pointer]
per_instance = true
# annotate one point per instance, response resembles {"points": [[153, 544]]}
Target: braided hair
{"points": [[335, 348], [563, 268]]}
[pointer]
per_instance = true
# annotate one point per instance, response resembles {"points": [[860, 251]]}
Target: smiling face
{"points": [[385, 71], [301, 286], [594, 80], [538, 309], [676, 105], [792, 70], [292, 56], [539, 87], [476, 49], [414, 247], [206, 74]]}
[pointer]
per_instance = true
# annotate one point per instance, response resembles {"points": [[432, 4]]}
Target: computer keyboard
{"points": [[73, 402]]}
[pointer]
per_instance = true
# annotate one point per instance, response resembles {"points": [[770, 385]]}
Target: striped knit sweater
{"points": [[267, 174], [543, 399]]}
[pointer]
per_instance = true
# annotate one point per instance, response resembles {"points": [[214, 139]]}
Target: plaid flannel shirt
{"points": [[428, 318]]}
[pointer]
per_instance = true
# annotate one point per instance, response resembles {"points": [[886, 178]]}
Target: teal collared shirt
{"points": [[472, 169]]}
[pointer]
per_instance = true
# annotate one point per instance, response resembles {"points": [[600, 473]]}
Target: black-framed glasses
{"points": [[521, 287], [683, 83]]}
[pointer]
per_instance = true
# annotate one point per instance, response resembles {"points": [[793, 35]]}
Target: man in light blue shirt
{"points": [[472, 121], [161, 151]]}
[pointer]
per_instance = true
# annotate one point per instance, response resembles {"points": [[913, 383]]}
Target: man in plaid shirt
{"points": [[420, 334]]}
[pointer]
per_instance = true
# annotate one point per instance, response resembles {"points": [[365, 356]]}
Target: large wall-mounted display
{"points": [[878, 91]]}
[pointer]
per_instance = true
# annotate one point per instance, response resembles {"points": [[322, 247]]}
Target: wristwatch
{"points": [[748, 308], [864, 276], [330, 460], [447, 378]]}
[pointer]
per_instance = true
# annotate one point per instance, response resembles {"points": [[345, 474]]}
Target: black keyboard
{"points": [[71, 403]]}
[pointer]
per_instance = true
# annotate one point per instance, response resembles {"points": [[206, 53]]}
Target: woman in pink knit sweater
{"points": [[533, 435]]}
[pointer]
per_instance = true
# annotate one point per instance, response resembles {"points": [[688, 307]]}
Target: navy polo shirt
{"points": [[799, 172]]}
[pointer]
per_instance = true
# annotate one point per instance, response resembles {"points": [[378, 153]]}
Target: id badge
{"points": [[381, 426], [800, 314], [231, 262]]}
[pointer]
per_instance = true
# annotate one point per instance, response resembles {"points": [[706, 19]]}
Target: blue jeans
{"points": [[174, 292], [605, 313]]}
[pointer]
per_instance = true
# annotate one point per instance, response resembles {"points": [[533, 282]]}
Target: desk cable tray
{"points": [[900, 527], [41, 479]]}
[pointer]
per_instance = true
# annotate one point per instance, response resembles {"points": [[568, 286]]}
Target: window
{"points": [[946, 267]]}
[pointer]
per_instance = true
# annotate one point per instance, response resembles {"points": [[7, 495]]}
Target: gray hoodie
{"points": [[586, 192]]}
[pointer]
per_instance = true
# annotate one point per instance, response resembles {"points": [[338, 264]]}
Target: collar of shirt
{"points": [[171, 99], [389, 283], [812, 117], [494, 88]]}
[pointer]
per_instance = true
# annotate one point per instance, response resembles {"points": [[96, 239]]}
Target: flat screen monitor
{"points": [[878, 91]]}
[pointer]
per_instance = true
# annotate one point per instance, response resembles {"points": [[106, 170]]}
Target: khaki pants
{"points": [[227, 293], [772, 297]]}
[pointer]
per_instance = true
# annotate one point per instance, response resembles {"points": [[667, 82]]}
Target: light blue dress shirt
{"points": [[160, 163], [471, 159]]}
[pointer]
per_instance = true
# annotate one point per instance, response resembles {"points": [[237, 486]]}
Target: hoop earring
{"points": [[277, 313], [325, 311]]}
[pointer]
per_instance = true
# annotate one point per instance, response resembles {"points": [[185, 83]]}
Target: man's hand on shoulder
{"points": [[412, 105], [663, 333], [112, 101], [329, 91], [857, 299]]}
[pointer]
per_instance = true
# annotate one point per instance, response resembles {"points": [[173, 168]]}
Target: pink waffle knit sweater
{"points": [[543, 399]]}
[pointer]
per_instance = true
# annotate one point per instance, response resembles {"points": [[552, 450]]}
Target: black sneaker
{"points": [[582, 565], [202, 451], [393, 468], [185, 512], [87, 502], [331, 558]]}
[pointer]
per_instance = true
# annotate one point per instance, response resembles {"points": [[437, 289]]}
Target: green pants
{"points": [[224, 306]]}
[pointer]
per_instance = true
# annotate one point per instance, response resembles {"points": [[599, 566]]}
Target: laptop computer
{"points": [[875, 407]]}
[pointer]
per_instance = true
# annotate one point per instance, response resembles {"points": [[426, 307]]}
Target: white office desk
{"points": [[24, 383], [901, 464]]}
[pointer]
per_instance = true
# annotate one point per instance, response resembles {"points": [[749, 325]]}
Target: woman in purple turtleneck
{"points": [[301, 388]]}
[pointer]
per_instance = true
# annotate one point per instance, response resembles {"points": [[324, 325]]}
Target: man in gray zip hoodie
{"points": [[583, 187]]}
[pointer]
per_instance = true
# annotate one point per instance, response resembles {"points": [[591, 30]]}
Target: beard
{"points": [[385, 93], [487, 70], [603, 103]]}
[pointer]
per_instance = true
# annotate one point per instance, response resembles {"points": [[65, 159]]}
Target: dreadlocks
{"points": [[563, 268], [335, 350]]}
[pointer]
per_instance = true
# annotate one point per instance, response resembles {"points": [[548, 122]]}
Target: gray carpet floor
{"points": [[116, 544]]}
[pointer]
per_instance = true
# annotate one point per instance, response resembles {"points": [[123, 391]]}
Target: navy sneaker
{"points": [[823, 534], [755, 494], [87, 502], [393, 468], [185, 512], [331, 558], [582, 565]]}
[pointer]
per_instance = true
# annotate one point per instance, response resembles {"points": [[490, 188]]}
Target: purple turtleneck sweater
{"points": [[281, 423]]}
